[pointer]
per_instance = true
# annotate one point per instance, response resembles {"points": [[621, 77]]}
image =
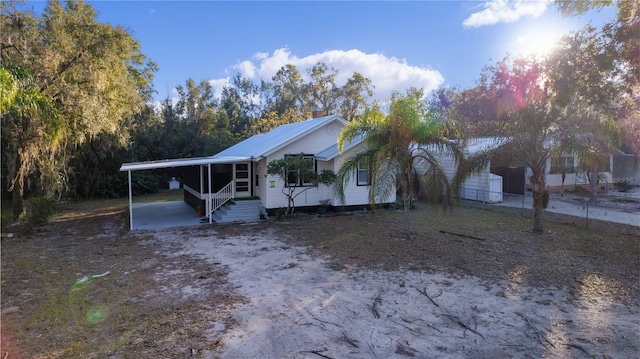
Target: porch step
{"points": [[240, 211]]}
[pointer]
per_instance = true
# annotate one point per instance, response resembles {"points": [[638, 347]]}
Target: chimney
{"points": [[317, 112]]}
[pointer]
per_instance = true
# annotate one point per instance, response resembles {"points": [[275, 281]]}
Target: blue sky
{"points": [[395, 44]]}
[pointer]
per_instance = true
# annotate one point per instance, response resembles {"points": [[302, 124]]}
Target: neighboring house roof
{"points": [[262, 145], [332, 151], [483, 143]]}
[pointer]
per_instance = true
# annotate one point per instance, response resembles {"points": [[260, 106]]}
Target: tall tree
{"points": [[288, 90], [402, 147], [196, 125], [240, 101], [609, 59], [587, 76], [322, 88], [528, 122], [272, 120], [94, 73], [356, 95]]}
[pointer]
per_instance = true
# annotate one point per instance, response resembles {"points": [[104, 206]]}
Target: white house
{"points": [[240, 171], [497, 178], [315, 138], [484, 185]]}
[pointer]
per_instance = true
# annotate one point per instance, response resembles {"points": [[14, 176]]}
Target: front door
{"points": [[242, 176]]}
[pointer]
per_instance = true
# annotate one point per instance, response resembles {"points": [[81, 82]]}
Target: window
{"points": [[364, 179], [242, 177], [242, 186], [296, 178], [563, 164]]}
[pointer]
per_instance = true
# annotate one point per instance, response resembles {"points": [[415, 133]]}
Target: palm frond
{"points": [[348, 171]]}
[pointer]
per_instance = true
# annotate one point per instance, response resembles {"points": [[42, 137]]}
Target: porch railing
{"points": [[219, 198]]}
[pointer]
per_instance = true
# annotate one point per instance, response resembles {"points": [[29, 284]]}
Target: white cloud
{"points": [[218, 85], [497, 11], [247, 68], [387, 74]]}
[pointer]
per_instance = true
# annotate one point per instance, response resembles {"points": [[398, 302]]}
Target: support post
{"points": [[209, 200], [130, 203]]}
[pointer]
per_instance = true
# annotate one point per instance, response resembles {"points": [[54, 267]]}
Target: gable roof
{"points": [[332, 151], [263, 145]]}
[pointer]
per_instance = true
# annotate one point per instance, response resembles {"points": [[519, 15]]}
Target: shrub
{"points": [[39, 210], [7, 218], [623, 186]]}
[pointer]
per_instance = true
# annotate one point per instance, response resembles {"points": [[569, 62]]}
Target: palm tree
{"points": [[593, 139], [402, 149], [30, 130]]}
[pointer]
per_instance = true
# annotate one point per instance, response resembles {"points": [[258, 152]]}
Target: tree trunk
{"points": [[593, 185], [16, 197], [17, 193], [290, 206], [538, 185], [406, 199], [405, 212]]}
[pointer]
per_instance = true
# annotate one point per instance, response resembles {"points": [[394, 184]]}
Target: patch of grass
{"points": [[82, 209], [489, 244], [6, 218]]}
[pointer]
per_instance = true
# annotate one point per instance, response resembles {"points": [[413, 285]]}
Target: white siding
{"points": [[555, 180], [313, 143], [275, 198], [355, 195], [478, 187], [261, 188]]}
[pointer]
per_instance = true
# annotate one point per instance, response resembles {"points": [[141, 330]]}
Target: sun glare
{"points": [[537, 42]]}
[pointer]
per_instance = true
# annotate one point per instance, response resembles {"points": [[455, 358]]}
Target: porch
{"points": [[202, 180]]}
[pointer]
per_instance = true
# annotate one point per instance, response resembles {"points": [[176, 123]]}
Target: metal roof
{"points": [[478, 144], [262, 145], [180, 162], [253, 148], [332, 151]]}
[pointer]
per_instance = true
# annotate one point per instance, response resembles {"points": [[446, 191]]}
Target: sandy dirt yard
{"points": [[323, 287]]}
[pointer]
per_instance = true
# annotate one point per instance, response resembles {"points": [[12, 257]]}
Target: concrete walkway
{"points": [[578, 207]]}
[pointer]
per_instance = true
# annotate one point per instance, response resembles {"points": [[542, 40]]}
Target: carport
{"points": [[148, 211]]}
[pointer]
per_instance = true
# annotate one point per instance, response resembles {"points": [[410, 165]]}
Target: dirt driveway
{"points": [[470, 284]]}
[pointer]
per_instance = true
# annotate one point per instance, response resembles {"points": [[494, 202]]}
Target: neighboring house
{"points": [[622, 168], [485, 185], [240, 171], [514, 177], [497, 178]]}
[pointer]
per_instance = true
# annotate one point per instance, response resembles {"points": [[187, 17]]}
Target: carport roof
{"points": [[181, 162]]}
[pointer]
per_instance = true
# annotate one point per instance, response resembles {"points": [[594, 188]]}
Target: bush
{"points": [[39, 210], [623, 186], [7, 218]]}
